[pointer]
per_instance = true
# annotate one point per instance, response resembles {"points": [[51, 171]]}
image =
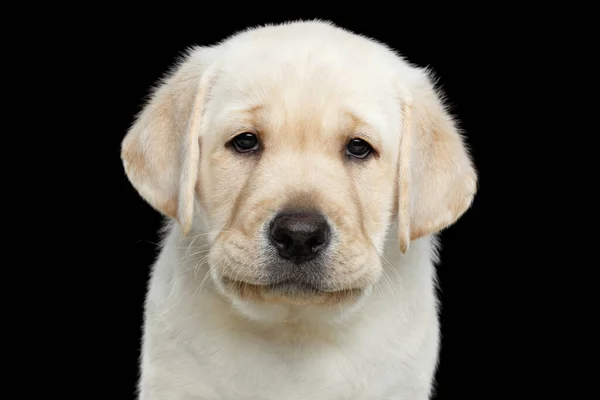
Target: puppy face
{"points": [[299, 144], [298, 184]]}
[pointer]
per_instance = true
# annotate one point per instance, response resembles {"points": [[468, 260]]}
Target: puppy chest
{"points": [[262, 370]]}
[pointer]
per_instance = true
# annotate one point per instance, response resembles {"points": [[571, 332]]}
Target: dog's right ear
{"points": [[161, 150]]}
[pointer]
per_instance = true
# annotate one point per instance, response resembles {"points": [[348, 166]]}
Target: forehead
{"points": [[313, 88]]}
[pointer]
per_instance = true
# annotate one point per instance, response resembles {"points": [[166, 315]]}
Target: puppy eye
{"points": [[358, 148], [245, 142]]}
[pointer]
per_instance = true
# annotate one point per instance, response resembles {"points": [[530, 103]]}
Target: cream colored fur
{"points": [[305, 88]]}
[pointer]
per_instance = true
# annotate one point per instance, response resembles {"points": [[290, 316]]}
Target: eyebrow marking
{"points": [[353, 130]]}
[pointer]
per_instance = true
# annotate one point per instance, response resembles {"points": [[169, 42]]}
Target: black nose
{"points": [[299, 236]]}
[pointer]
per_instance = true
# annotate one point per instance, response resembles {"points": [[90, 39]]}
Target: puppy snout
{"points": [[299, 236]]}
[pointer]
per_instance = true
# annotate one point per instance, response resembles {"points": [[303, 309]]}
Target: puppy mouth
{"points": [[287, 285], [290, 291]]}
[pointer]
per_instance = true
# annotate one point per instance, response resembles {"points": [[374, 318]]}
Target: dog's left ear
{"points": [[437, 180], [161, 151]]}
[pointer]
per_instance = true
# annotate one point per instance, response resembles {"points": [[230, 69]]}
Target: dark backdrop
{"points": [[137, 52]]}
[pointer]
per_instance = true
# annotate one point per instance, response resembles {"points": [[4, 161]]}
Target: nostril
{"points": [[281, 237], [318, 238]]}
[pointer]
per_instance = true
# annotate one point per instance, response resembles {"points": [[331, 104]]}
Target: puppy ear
{"points": [[161, 150], [437, 177]]}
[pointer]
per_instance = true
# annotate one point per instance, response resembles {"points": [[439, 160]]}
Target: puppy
{"points": [[305, 171]]}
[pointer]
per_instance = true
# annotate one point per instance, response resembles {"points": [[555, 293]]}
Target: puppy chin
{"points": [[285, 304], [281, 312]]}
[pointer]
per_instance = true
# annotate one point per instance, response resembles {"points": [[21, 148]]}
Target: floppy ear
{"points": [[437, 177], [161, 150]]}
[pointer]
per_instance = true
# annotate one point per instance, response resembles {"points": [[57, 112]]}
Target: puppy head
{"points": [[299, 145]]}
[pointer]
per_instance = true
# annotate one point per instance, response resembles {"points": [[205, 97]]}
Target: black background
{"points": [[135, 53]]}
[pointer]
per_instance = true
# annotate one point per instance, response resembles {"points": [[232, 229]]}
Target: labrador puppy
{"points": [[305, 171]]}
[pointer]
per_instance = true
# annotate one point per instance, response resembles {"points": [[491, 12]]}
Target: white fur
{"points": [[202, 344], [197, 346]]}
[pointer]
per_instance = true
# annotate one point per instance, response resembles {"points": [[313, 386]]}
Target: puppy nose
{"points": [[299, 236]]}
